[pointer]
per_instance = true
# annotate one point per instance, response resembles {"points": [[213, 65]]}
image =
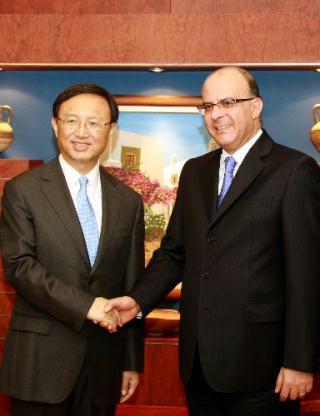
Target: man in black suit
{"points": [[244, 239], [71, 236]]}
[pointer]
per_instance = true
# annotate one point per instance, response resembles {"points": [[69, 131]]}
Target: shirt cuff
{"points": [[139, 315]]}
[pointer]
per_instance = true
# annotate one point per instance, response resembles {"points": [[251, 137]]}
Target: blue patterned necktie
{"points": [[230, 164], [87, 220]]}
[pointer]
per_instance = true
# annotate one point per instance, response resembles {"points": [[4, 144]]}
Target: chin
{"points": [[224, 141], [81, 155]]}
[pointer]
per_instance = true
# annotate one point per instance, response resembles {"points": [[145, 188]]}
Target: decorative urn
{"points": [[6, 131], [315, 131]]}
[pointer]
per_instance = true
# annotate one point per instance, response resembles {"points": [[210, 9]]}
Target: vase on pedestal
{"points": [[6, 131], [315, 130]]}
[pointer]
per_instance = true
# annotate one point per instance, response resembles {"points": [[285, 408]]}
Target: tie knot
{"points": [[230, 164], [83, 182]]}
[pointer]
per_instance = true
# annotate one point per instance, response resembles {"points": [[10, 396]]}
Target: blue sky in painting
{"points": [[182, 134]]}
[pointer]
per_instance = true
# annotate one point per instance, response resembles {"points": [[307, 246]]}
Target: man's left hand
{"points": [[130, 381], [293, 384]]}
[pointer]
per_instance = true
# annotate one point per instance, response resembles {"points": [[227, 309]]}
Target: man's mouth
{"points": [[80, 145], [222, 127]]}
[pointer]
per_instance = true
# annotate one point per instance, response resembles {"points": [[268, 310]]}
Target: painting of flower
{"points": [[152, 194], [154, 138]]}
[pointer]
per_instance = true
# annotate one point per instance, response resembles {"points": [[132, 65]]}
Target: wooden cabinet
{"points": [[160, 392], [8, 169], [160, 383]]}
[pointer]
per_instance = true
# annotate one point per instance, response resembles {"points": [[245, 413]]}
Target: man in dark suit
{"points": [[67, 247], [244, 239]]}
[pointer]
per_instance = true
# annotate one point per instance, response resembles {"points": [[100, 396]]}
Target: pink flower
{"points": [[150, 190]]}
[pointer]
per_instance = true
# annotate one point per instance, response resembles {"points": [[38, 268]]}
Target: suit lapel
{"points": [[250, 168], [209, 177], [110, 213], [55, 188]]}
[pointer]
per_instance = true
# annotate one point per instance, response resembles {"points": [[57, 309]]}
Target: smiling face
{"points": [[233, 127], [81, 147]]}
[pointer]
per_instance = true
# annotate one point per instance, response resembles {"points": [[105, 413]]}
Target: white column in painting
{"points": [[108, 157], [212, 145]]}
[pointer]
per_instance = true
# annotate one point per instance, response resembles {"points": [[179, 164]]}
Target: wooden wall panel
{"points": [[83, 7], [242, 6], [176, 39], [8, 169], [153, 6], [160, 384], [4, 285], [4, 405], [127, 410]]}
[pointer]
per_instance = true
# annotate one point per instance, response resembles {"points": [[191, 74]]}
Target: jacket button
{"points": [[205, 275], [211, 238]]}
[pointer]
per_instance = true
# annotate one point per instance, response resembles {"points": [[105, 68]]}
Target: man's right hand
{"points": [[99, 314], [126, 307]]}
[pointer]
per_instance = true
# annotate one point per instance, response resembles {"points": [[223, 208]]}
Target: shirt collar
{"points": [[72, 175], [241, 153]]}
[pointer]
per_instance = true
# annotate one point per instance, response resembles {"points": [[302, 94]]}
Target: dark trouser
{"points": [[79, 403], [203, 401], [22, 408]]}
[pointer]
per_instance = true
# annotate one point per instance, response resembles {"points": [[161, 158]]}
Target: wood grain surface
{"points": [[167, 32]]}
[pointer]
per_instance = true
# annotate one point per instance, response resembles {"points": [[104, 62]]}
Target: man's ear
{"points": [[113, 127], [54, 126], [257, 106]]}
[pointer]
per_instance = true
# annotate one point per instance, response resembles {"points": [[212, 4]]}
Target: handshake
{"points": [[113, 313]]}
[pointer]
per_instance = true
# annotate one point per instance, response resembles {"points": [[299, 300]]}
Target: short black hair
{"points": [[86, 88]]}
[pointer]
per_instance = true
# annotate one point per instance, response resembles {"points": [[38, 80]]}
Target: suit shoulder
{"points": [[206, 157], [288, 151], [201, 161], [292, 156]]}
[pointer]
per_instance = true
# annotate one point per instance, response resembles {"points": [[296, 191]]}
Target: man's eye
{"points": [[92, 124], [228, 102], [208, 106], [72, 121]]}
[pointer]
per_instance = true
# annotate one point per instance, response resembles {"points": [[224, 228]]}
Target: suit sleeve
{"points": [[33, 282], [134, 350], [301, 240]]}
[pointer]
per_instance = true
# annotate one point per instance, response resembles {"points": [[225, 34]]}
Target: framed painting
{"points": [[155, 136]]}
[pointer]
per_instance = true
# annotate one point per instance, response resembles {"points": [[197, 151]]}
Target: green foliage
{"points": [[154, 223]]}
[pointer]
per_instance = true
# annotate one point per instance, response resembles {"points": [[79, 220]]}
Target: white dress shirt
{"points": [[93, 188], [238, 155]]}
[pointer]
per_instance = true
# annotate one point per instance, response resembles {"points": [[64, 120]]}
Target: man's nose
{"points": [[216, 111], [82, 129]]}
